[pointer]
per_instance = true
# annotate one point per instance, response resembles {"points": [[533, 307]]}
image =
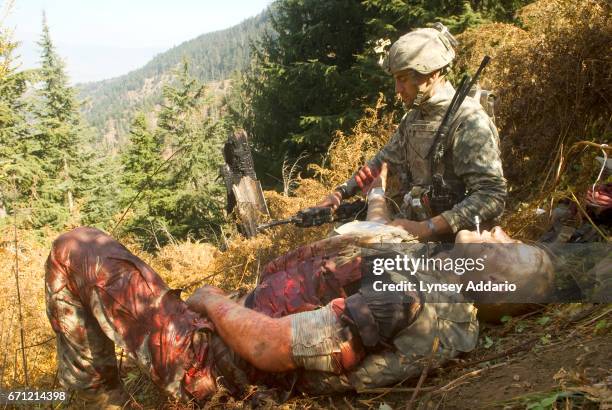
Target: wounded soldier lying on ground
{"points": [[311, 324]]}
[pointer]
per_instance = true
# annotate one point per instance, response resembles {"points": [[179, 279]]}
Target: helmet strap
{"points": [[418, 100]]}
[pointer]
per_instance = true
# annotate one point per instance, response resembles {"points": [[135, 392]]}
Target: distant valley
{"points": [[109, 105]]}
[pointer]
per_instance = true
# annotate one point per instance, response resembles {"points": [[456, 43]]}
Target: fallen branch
{"points": [[454, 383], [434, 349]]}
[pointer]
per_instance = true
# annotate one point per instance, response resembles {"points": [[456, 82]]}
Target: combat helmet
{"points": [[423, 50]]}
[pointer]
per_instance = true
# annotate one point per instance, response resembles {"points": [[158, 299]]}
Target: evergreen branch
{"points": [[145, 185]]}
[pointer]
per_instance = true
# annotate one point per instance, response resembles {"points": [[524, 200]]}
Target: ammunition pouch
{"points": [[423, 203], [443, 197]]}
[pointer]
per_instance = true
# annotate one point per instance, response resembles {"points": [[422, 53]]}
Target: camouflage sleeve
{"points": [[476, 160], [393, 153]]}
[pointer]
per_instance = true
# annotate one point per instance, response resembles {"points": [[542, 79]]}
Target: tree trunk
{"points": [[69, 191], [244, 195]]}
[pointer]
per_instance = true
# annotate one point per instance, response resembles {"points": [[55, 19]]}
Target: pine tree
{"points": [[60, 134], [101, 188], [140, 161], [302, 86], [20, 169], [189, 203], [169, 174]]}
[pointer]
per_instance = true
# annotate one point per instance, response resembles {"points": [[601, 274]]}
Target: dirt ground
{"points": [[535, 373], [560, 357]]}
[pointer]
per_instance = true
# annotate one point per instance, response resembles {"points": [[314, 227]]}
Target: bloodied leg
{"points": [[100, 295]]}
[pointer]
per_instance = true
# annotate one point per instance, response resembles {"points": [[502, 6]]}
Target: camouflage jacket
{"points": [[445, 315], [472, 164]]}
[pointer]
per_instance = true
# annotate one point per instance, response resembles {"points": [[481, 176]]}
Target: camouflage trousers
{"points": [[99, 296]]}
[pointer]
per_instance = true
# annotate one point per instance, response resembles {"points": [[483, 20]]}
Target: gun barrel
{"points": [[265, 226]]}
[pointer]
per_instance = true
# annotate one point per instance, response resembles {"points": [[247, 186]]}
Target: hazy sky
{"points": [[106, 38]]}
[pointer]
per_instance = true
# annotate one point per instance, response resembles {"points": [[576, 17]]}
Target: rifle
{"points": [[316, 216], [441, 194]]}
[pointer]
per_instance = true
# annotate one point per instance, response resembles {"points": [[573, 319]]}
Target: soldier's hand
{"points": [[381, 180], [365, 176], [332, 200], [196, 301]]}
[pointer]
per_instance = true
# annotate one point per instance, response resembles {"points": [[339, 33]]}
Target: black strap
{"points": [[361, 314]]}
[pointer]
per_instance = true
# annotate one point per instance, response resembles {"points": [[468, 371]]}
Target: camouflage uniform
{"points": [[444, 315], [473, 168], [100, 296]]}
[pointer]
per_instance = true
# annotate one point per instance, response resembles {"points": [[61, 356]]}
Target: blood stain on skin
{"points": [[259, 348]]}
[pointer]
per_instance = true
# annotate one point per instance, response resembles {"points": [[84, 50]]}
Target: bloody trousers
{"points": [[100, 296]]}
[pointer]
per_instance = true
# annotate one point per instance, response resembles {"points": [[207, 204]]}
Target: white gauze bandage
{"points": [[376, 193], [315, 336]]}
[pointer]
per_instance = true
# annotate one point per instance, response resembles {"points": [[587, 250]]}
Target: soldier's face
{"points": [[506, 259], [409, 83], [405, 86]]}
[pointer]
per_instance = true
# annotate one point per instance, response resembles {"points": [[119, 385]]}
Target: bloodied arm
{"points": [[277, 344], [263, 341]]}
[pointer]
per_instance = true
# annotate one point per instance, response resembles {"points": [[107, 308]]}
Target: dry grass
{"points": [[348, 152], [32, 252], [554, 83]]}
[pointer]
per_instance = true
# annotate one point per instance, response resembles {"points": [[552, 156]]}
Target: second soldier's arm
{"points": [[393, 153], [476, 160]]}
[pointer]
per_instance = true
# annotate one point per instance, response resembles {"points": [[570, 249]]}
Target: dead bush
{"points": [[554, 82]]}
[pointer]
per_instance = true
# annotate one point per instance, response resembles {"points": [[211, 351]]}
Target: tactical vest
{"points": [[426, 199]]}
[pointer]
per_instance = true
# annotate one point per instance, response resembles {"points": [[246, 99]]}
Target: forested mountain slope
{"points": [[109, 105]]}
